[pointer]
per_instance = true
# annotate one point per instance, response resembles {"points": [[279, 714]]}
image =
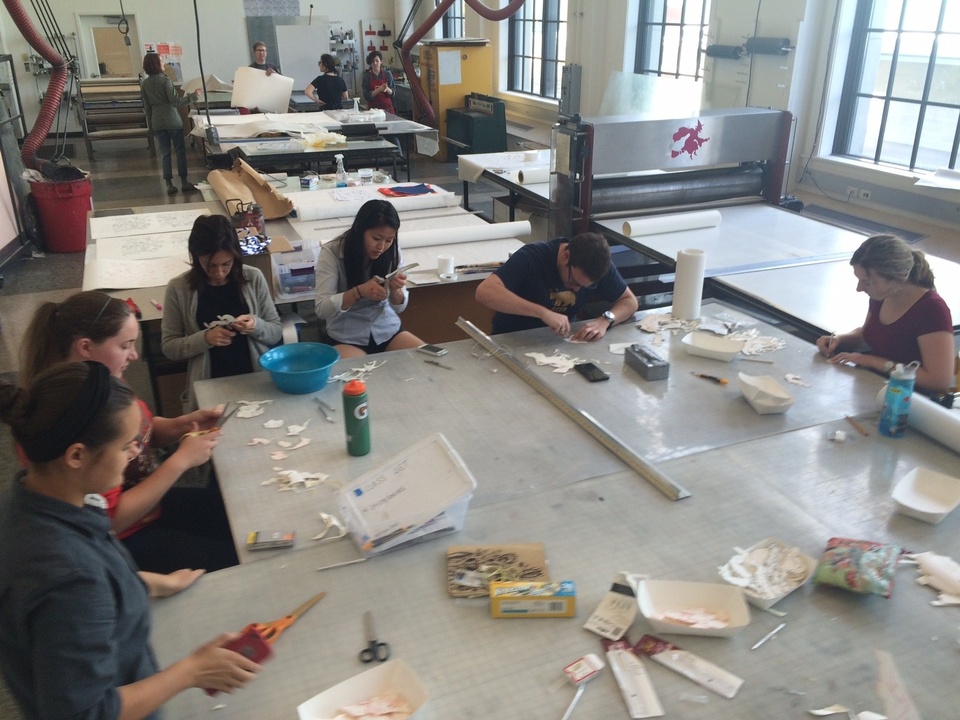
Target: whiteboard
{"points": [[299, 48]]}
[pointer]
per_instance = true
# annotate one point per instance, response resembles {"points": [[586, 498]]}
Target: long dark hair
{"points": [[373, 214], [210, 235], [56, 326], [329, 63], [152, 65]]}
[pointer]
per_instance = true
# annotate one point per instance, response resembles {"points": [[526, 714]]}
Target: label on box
{"points": [[615, 613], [533, 599], [703, 672]]}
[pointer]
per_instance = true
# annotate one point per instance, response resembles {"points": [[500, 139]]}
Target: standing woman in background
{"points": [[378, 84], [165, 528], [360, 307], [161, 103], [906, 320], [218, 284], [328, 89], [74, 613]]}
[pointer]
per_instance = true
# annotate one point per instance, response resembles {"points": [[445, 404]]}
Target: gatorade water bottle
{"points": [[356, 417], [341, 173], [896, 400]]}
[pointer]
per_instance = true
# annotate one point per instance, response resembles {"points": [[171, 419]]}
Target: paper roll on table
{"points": [[932, 419], [657, 224], [534, 175], [688, 285], [471, 233]]}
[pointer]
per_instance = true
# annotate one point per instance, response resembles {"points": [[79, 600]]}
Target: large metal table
{"points": [[541, 479]]}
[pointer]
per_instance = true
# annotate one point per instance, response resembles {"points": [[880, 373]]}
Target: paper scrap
{"points": [[297, 429], [273, 424], [619, 348], [278, 455], [251, 408], [258, 441], [558, 361], [795, 380]]}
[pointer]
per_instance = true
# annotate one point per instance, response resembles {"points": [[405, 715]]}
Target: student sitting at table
{"points": [[218, 285], [328, 89], [165, 528], [906, 319], [548, 283], [360, 307], [74, 613]]}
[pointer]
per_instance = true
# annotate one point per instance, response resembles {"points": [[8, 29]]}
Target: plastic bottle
{"points": [[356, 417], [356, 104], [341, 173], [896, 400]]}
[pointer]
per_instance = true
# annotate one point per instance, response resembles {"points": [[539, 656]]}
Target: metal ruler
{"points": [[586, 421]]}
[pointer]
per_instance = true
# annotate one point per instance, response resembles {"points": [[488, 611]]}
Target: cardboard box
{"points": [[264, 261], [533, 599]]}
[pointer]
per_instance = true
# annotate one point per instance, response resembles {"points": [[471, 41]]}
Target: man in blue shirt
{"points": [[548, 283]]}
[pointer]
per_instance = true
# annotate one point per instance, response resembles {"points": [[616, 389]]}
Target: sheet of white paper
{"points": [[253, 88], [127, 274], [144, 223], [942, 178], [143, 247], [449, 62]]}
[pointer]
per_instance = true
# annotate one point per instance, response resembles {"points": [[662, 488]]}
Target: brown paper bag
{"points": [[241, 184]]}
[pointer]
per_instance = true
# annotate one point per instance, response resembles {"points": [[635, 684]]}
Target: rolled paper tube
{"points": [[445, 264], [932, 419], [688, 286], [534, 175], [471, 233], [656, 224]]}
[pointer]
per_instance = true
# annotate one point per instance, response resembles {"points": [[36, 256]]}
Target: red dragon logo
{"points": [[688, 140]]}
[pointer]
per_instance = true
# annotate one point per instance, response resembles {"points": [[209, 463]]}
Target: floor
{"points": [[125, 175]]}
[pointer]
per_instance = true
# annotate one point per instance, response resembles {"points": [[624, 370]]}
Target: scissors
{"points": [[224, 416], [272, 630], [375, 650]]}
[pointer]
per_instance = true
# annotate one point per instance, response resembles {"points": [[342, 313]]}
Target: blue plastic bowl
{"points": [[299, 368]]}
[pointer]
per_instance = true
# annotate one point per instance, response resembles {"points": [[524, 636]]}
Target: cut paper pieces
{"points": [[574, 342], [941, 573], [757, 344], [333, 529], [619, 348], [558, 361], [842, 710], [359, 373], [251, 408], [795, 380], [258, 441], [273, 424], [278, 455], [287, 445], [297, 429], [713, 325], [655, 322], [294, 480], [221, 321]]}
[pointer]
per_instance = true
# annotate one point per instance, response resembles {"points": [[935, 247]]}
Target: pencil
{"points": [[857, 425]]}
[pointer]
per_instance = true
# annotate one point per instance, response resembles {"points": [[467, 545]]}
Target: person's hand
{"points": [[828, 344], [244, 324], [195, 450], [219, 336], [560, 324], [373, 290], [269, 72], [164, 585], [196, 94], [214, 667], [398, 282], [592, 330], [855, 358]]}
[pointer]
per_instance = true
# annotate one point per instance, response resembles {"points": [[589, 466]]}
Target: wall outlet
{"points": [[865, 194], [852, 191]]}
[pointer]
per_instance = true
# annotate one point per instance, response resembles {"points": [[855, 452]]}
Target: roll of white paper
{"points": [[471, 233], [445, 265], [534, 175], [656, 224], [932, 419], [688, 285]]}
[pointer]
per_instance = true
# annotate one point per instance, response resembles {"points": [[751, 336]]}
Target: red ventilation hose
{"points": [[416, 88], [58, 80]]}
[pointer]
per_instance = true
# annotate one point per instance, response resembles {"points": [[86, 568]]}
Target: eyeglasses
{"points": [[572, 281]]}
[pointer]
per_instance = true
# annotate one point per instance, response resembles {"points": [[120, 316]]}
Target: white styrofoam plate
{"points": [[712, 346], [393, 677], [656, 597], [764, 393], [927, 495]]}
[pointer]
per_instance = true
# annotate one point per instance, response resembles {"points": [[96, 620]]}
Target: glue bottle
{"points": [[356, 417], [896, 400], [341, 173]]}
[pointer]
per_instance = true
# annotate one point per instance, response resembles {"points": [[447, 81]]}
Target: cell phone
{"points": [[251, 645], [433, 350], [271, 540], [591, 372], [402, 269]]}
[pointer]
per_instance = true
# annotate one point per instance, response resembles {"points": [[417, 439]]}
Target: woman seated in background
{"points": [[192, 530], [74, 615], [218, 316], [906, 320], [360, 307], [328, 89]]}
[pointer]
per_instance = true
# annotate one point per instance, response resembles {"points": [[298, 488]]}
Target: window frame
{"points": [[647, 30], [453, 20], [523, 60]]}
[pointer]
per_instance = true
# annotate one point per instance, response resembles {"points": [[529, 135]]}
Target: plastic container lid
{"points": [[354, 387]]}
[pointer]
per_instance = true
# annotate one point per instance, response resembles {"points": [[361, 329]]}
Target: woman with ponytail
{"points": [[907, 320]]}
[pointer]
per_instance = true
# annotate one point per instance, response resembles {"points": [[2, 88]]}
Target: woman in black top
{"points": [[328, 89]]}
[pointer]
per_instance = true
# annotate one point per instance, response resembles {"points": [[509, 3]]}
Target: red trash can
{"points": [[63, 210]]}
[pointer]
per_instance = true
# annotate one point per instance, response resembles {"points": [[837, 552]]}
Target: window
{"points": [[537, 47], [452, 23], [900, 103], [671, 38]]}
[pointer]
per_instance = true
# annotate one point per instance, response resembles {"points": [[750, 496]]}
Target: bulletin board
{"points": [[299, 47]]}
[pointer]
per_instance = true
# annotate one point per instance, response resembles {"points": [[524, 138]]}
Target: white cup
{"points": [[445, 266]]}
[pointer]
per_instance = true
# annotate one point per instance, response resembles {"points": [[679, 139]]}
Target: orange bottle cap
{"points": [[354, 387]]}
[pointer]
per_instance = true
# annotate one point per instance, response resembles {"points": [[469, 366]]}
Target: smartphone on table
{"points": [[433, 350], [591, 372]]}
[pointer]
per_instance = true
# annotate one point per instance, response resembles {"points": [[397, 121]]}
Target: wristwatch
{"points": [[610, 317], [888, 366]]}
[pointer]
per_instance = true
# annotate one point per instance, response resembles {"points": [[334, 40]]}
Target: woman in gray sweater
{"points": [[161, 103]]}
